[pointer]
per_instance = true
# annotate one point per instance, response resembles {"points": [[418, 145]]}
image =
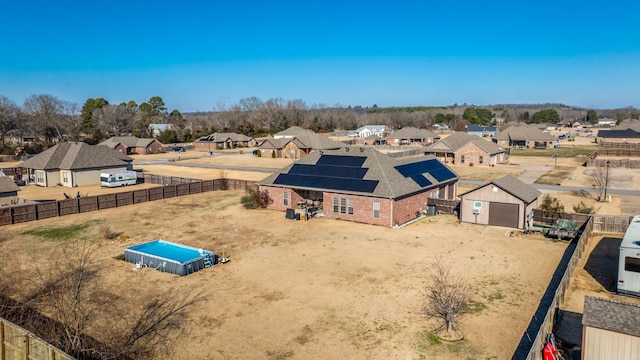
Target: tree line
{"points": [[49, 119]]}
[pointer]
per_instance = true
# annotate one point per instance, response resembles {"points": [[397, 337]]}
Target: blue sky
{"points": [[198, 55]]}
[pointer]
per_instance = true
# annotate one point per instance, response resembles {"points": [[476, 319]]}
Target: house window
{"points": [[350, 206], [376, 210], [481, 160], [40, 177], [461, 159], [285, 198], [336, 208], [65, 177], [343, 205]]}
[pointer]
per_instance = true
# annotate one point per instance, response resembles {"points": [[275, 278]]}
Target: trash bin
{"points": [[431, 210]]}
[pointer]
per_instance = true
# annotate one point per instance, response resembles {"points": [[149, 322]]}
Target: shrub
{"points": [[255, 199], [583, 208], [107, 232], [273, 154], [551, 205]]}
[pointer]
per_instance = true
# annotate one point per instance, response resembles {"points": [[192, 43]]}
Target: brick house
{"points": [[361, 184], [133, 145], [504, 202], [523, 136], [412, 136], [74, 164], [464, 149], [626, 136], [217, 141], [295, 147]]}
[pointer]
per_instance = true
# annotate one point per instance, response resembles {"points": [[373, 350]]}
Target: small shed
{"points": [[504, 202], [8, 190], [610, 329]]}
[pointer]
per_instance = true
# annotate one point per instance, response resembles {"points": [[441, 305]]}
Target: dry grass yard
{"points": [[316, 289]]}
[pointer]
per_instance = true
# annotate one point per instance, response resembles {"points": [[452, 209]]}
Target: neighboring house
{"points": [[504, 202], [524, 136], [298, 146], [133, 145], [361, 184], [157, 129], [481, 130], [73, 164], [368, 130], [218, 141], [626, 136], [294, 131], [628, 124], [606, 122], [412, 136], [8, 190], [374, 140], [565, 122], [20, 137], [580, 124], [610, 329], [464, 149]]}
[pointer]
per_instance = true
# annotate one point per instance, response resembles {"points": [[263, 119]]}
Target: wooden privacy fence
{"points": [[176, 187], [444, 206], [617, 153], [618, 145], [614, 163], [17, 343], [541, 324], [542, 218], [611, 224]]}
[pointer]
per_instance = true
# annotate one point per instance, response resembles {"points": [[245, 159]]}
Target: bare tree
{"points": [[599, 177], [8, 117], [45, 112], [447, 296], [114, 120]]}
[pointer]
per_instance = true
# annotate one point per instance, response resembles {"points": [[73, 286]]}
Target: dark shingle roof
{"points": [[514, 187], [380, 168], [619, 134], [7, 185], [76, 155], [611, 315], [523, 133], [294, 131], [413, 133], [477, 128], [222, 137]]}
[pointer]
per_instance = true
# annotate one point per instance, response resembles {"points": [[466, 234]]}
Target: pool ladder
{"points": [[208, 261]]}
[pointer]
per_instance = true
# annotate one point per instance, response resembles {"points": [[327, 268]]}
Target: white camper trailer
{"points": [[120, 178], [629, 260]]}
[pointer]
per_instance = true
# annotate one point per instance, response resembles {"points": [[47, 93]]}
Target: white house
{"points": [[368, 130]]}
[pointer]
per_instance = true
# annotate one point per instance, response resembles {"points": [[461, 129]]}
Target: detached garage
{"points": [[503, 202]]}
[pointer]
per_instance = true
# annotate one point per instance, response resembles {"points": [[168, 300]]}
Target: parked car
{"points": [[562, 137], [179, 148], [591, 135]]}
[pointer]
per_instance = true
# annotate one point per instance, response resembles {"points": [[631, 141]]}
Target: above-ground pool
{"points": [[169, 257]]}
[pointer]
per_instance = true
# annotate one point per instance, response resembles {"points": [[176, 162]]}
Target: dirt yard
{"points": [[322, 288]]}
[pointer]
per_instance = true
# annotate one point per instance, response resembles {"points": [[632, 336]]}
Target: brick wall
{"points": [[472, 153], [362, 209]]}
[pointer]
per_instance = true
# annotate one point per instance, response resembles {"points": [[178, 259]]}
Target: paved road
{"points": [[565, 188]]}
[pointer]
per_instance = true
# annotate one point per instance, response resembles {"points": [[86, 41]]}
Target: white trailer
{"points": [[120, 178], [629, 259]]}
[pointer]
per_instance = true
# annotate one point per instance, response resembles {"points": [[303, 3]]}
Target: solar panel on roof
{"points": [[325, 182], [416, 171], [341, 160], [326, 170]]}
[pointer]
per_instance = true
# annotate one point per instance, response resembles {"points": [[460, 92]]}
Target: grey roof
{"points": [[523, 133], [372, 128], [476, 127], [76, 155], [458, 140], [8, 185], [617, 316], [628, 124], [307, 141], [294, 131], [514, 187], [380, 167], [222, 137], [128, 141], [413, 133], [619, 134]]}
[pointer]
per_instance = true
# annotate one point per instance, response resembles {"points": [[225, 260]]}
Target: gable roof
{"points": [[293, 131], [362, 171], [222, 137], [458, 140], [307, 141], [413, 133], [372, 128], [128, 141], [611, 315], [8, 185], [76, 155], [514, 187], [619, 134], [477, 128], [523, 133]]}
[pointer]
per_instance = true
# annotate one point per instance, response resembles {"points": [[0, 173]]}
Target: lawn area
{"points": [[484, 173], [561, 152]]}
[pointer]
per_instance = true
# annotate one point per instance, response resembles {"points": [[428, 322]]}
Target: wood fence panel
{"points": [[155, 194], [106, 201], [67, 206], [24, 213], [140, 196], [16, 344], [207, 185], [87, 203], [611, 224], [5, 216], [47, 210], [182, 189], [169, 191], [195, 187], [124, 198]]}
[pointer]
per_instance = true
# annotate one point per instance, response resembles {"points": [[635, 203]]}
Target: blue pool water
{"points": [[167, 250]]}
